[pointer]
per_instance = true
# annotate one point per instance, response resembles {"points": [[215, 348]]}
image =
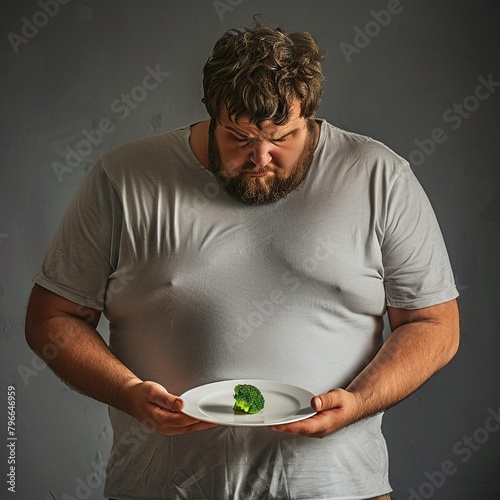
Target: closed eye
{"points": [[238, 138], [285, 137]]}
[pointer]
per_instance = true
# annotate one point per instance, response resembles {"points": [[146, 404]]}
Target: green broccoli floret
{"points": [[248, 398]]}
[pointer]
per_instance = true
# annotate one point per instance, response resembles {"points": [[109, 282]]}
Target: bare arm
{"points": [[421, 343], [64, 335]]}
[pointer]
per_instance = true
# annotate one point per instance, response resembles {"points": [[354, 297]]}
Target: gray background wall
{"points": [[399, 84]]}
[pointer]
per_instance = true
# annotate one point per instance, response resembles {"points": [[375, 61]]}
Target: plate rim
{"points": [[252, 381]]}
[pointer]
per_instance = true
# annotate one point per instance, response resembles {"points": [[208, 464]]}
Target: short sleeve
{"points": [[417, 270], [84, 250]]}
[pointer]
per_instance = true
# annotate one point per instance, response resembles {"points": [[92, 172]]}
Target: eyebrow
{"points": [[243, 136]]}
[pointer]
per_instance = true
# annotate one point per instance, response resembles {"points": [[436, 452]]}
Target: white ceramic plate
{"points": [[284, 403]]}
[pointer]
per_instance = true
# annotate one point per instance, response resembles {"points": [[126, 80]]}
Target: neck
{"points": [[198, 141]]}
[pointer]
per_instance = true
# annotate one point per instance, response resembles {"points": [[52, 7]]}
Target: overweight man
{"points": [[261, 243]]}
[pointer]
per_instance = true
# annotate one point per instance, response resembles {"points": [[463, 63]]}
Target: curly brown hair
{"points": [[259, 72]]}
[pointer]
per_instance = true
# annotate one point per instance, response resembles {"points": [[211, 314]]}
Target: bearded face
{"points": [[261, 165]]}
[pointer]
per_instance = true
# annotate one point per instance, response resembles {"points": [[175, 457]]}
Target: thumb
{"points": [[161, 397], [326, 401]]}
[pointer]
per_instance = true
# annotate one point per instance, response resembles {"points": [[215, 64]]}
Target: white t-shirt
{"points": [[199, 287]]}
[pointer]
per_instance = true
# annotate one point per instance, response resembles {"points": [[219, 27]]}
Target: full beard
{"points": [[261, 191]]}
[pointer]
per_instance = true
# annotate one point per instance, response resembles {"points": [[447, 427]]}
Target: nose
{"points": [[260, 155]]}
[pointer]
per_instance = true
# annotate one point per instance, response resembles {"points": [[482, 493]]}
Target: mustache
{"points": [[252, 169], [247, 169]]}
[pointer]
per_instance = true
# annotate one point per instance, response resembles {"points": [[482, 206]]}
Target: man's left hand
{"points": [[336, 409], [422, 341]]}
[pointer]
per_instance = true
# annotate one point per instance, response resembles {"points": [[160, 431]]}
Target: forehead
{"points": [[245, 126]]}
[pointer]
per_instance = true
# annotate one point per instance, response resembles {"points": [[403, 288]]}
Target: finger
{"points": [[161, 397], [317, 403], [164, 416], [161, 419], [199, 426], [308, 427], [327, 401], [194, 427]]}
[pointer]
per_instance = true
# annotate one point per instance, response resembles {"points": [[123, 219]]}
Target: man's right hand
{"points": [[85, 362], [155, 407]]}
